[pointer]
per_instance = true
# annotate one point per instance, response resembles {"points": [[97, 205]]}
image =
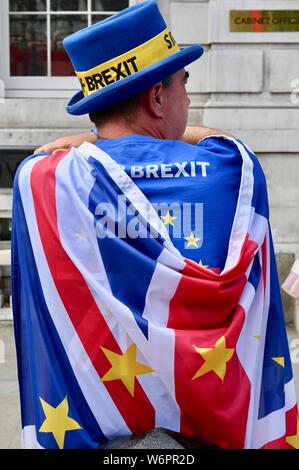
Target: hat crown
{"points": [[114, 36], [124, 55]]}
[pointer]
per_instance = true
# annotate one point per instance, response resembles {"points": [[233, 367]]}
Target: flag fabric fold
{"points": [[118, 335]]}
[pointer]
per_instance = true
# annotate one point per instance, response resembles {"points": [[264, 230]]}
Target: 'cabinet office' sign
{"points": [[264, 21]]}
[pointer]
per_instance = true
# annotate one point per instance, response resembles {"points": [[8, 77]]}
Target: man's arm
{"points": [[67, 142], [192, 135]]}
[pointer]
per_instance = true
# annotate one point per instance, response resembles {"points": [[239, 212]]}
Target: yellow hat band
{"points": [[152, 51]]}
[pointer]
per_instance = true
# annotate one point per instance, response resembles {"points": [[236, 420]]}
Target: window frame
{"points": [[35, 86]]}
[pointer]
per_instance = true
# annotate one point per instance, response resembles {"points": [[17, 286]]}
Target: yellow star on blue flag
{"points": [[57, 421]]}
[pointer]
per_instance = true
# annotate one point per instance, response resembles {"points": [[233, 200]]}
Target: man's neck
{"points": [[117, 130]]}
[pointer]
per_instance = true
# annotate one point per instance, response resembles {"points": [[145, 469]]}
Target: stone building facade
{"points": [[246, 83]]}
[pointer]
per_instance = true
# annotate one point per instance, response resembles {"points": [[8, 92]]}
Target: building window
{"points": [[38, 27]]}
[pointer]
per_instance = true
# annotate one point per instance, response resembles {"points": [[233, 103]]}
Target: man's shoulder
{"points": [[26, 166], [222, 145], [229, 146], [211, 146]]}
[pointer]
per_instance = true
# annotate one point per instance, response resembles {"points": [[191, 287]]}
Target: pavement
{"points": [[10, 425]]}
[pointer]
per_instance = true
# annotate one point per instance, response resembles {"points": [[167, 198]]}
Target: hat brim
{"points": [[133, 84]]}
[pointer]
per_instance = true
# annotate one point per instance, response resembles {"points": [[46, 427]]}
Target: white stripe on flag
{"points": [[161, 290], [249, 348], [258, 227], [243, 211]]}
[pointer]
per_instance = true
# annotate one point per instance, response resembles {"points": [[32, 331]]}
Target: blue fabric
{"points": [[222, 163]]}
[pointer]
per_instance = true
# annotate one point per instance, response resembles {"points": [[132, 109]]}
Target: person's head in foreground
{"points": [[132, 74]]}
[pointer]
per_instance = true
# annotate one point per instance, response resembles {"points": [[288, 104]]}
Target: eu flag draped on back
{"points": [[118, 331]]}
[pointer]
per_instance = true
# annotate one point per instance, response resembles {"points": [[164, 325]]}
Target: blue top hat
{"points": [[123, 55]]}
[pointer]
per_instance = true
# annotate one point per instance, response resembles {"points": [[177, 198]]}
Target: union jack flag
{"points": [[116, 336]]}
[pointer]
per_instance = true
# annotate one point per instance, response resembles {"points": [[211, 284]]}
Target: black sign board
{"points": [[10, 159]]}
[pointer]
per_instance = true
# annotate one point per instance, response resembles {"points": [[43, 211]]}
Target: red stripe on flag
{"points": [[85, 315], [205, 308], [202, 292]]}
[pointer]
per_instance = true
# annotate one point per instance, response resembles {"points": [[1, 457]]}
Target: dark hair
{"points": [[125, 110]]}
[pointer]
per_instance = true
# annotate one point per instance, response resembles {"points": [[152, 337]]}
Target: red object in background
{"points": [[21, 63], [16, 59], [24, 62], [258, 28], [60, 64]]}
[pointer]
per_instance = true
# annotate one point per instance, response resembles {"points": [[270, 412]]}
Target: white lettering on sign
{"points": [[169, 170]]}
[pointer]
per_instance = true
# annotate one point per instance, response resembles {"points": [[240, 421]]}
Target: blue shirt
{"points": [[196, 184]]}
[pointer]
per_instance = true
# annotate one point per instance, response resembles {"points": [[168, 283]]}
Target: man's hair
{"points": [[125, 111]]}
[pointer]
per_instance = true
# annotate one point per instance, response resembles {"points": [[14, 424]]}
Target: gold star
{"points": [[168, 219], [125, 367], [57, 421], [294, 440], [203, 265], [215, 359], [279, 360], [257, 337], [192, 240]]}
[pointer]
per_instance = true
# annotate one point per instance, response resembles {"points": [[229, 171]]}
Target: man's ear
{"points": [[155, 100]]}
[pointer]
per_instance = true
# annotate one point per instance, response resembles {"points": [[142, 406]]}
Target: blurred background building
{"points": [[247, 83]]}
